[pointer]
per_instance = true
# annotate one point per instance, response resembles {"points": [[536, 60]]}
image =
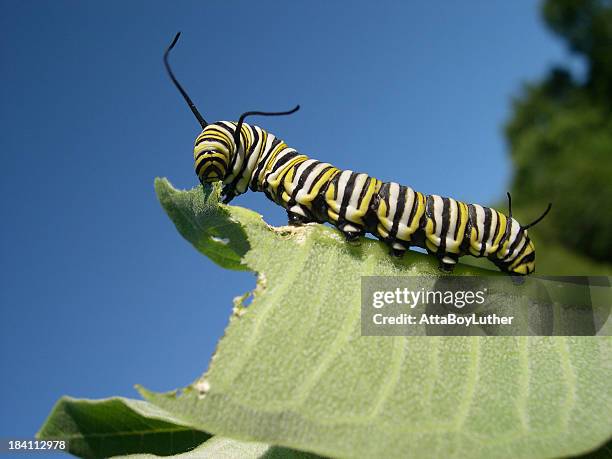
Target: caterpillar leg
{"points": [[298, 215], [296, 219], [351, 232], [397, 249], [227, 194], [447, 263]]}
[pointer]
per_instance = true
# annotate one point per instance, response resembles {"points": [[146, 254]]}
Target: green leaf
{"points": [[227, 448], [210, 228], [109, 427], [293, 369]]}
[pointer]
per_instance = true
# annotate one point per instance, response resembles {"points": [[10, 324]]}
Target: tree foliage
{"points": [[561, 132]]}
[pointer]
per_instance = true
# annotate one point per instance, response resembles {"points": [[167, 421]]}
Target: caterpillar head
{"points": [[517, 255], [216, 145], [212, 154], [218, 142], [522, 261]]}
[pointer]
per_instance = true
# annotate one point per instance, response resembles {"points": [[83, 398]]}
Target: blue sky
{"points": [[98, 291]]}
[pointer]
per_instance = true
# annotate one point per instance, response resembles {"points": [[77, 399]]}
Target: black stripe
{"points": [[282, 161], [319, 177], [526, 259], [213, 168], [281, 178], [486, 230], [399, 210], [384, 193], [261, 161], [520, 253], [497, 225], [429, 214], [281, 185], [304, 176], [214, 161], [335, 182], [506, 234], [445, 224], [472, 221], [518, 238], [364, 190], [208, 139], [229, 126], [503, 236], [458, 222], [264, 159], [247, 156], [470, 224], [199, 167], [348, 191], [415, 203], [221, 141]]}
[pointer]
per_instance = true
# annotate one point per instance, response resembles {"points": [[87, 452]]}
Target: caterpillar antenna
{"points": [[192, 106], [245, 114], [509, 204], [539, 219]]}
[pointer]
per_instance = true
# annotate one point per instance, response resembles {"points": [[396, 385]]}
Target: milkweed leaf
{"points": [[114, 426], [293, 369]]}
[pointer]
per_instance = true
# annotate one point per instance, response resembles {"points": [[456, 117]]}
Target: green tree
{"points": [[560, 134]]}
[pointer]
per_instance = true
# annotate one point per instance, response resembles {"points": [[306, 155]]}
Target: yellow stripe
{"points": [[219, 164], [283, 170], [462, 215], [502, 220], [325, 178], [273, 154], [372, 189], [382, 213], [382, 231], [211, 155], [248, 140], [420, 210], [333, 216], [331, 202], [357, 216], [530, 248]]}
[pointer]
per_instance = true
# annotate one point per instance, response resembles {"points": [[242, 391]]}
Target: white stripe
{"points": [[452, 224], [491, 232], [518, 249], [402, 227], [394, 189], [252, 164], [265, 158], [297, 210], [514, 229], [354, 200], [298, 173], [344, 178], [307, 188], [480, 217], [438, 208], [271, 176]]}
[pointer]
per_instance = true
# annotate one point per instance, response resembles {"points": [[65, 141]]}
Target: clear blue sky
{"points": [[98, 291]]}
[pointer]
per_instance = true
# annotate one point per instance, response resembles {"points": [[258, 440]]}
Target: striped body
{"points": [[355, 203]]}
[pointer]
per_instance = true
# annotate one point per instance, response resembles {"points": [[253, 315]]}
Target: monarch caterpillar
{"points": [[244, 156]]}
